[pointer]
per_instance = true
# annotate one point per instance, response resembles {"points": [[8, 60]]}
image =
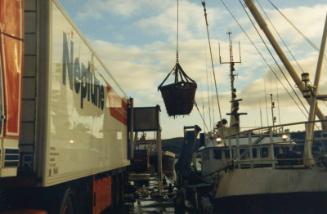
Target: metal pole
{"points": [[230, 149], [131, 128], [261, 123], [250, 146], [308, 157], [271, 148], [263, 25], [238, 151], [159, 150], [272, 111]]}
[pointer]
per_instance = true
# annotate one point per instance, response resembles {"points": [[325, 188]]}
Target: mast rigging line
{"points": [[177, 30], [266, 102], [296, 28], [208, 92], [296, 94], [271, 54], [261, 55], [212, 63], [279, 117], [279, 36], [202, 117]]}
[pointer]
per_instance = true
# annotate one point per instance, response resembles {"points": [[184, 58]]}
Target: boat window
{"points": [[276, 150], [254, 153], [227, 155], [264, 152], [217, 154]]}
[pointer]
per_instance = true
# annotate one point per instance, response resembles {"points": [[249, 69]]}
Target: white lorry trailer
{"points": [[64, 119]]}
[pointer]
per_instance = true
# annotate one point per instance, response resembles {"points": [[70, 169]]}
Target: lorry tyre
{"points": [[67, 204], [116, 191], [122, 188]]}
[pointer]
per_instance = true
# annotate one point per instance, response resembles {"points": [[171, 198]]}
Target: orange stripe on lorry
{"points": [[117, 106], [11, 48], [102, 194]]}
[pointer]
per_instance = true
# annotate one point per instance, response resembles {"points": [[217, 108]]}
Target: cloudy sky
{"points": [[136, 39]]}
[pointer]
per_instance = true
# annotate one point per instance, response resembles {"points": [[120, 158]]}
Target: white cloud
{"points": [[254, 93], [141, 68], [310, 20], [191, 21], [97, 8]]}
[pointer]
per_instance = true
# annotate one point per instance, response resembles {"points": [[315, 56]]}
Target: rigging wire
{"points": [[177, 31], [208, 92], [261, 122], [205, 95], [266, 101], [262, 56], [279, 36], [296, 28], [280, 69], [293, 25], [203, 120], [212, 89], [271, 54], [278, 107], [212, 64], [204, 116]]}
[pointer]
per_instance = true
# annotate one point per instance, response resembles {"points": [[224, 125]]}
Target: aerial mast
{"points": [[234, 114], [272, 107]]}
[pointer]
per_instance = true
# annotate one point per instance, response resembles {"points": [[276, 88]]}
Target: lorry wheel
{"points": [[116, 191], [67, 205], [122, 188]]}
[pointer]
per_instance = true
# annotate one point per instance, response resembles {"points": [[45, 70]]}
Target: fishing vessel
{"points": [[264, 170]]}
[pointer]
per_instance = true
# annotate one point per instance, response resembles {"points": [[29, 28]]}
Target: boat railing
{"points": [[285, 163], [276, 129], [265, 147]]}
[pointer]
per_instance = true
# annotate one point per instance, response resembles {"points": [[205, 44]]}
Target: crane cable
{"points": [[177, 30], [208, 92], [284, 42], [271, 54], [266, 101], [261, 55], [202, 117], [296, 28], [212, 64], [279, 117], [279, 36], [294, 91]]}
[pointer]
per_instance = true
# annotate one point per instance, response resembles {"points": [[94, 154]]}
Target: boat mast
{"points": [[263, 25], [309, 92], [234, 123], [273, 118]]}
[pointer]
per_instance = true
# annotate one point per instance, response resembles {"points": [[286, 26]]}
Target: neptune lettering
{"points": [[81, 79]]}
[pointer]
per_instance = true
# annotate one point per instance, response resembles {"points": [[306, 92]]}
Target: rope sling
{"points": [[179, 95]]}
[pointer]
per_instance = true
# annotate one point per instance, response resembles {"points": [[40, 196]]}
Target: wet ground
{"points": [[146, 198]]}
